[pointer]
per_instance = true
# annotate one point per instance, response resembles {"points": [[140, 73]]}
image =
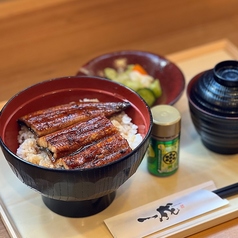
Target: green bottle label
{"points": [[163, 156]]}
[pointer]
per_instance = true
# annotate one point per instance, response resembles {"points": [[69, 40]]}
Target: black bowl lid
{"points": [[216, 91], [226, 73]]}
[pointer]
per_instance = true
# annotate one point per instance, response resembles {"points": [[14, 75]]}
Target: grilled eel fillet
{"points": [[49, 120], [70, 139], [106, 150]]}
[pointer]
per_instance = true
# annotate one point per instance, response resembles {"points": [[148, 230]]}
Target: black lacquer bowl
{"points": [[73, 193], [213, 103]]}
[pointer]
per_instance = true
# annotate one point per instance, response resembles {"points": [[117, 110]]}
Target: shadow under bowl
{"points": [[218, 133], [79, 192]]}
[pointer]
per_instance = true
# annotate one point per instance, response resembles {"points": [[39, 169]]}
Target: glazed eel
{"points": [[79, 135], [43, 122], [67, 140], [107, 150]]}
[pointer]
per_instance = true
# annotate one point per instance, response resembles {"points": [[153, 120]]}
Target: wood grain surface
{"points": [[45, 39]]}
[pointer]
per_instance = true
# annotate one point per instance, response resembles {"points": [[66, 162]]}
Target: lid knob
{"points": [[226, 73]]}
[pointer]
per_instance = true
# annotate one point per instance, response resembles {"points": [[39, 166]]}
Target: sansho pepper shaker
{"points": [[163, 151]]}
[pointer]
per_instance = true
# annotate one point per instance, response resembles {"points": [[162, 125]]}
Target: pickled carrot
{"points": [[140, 69]]}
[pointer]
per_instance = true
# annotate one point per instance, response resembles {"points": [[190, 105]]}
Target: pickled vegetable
{"points": [[136, 77], [147, 95]]}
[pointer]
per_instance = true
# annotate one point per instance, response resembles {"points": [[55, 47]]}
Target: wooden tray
{"points": [[25, 214]]}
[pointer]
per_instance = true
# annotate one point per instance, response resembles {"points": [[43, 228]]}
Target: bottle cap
{"points": [[166, 121]]}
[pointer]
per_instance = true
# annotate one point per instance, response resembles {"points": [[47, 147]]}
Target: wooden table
{"points": [[207, 55], [51, 38]]}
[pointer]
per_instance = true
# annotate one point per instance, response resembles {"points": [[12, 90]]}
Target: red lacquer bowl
{"points": [[74, 193], [171, 78]]}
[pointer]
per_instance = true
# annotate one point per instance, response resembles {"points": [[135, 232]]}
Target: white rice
{"points": [[29, 150], [127, 129]]}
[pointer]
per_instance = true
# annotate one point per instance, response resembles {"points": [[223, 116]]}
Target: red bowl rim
{"points": [[147, 135]]}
